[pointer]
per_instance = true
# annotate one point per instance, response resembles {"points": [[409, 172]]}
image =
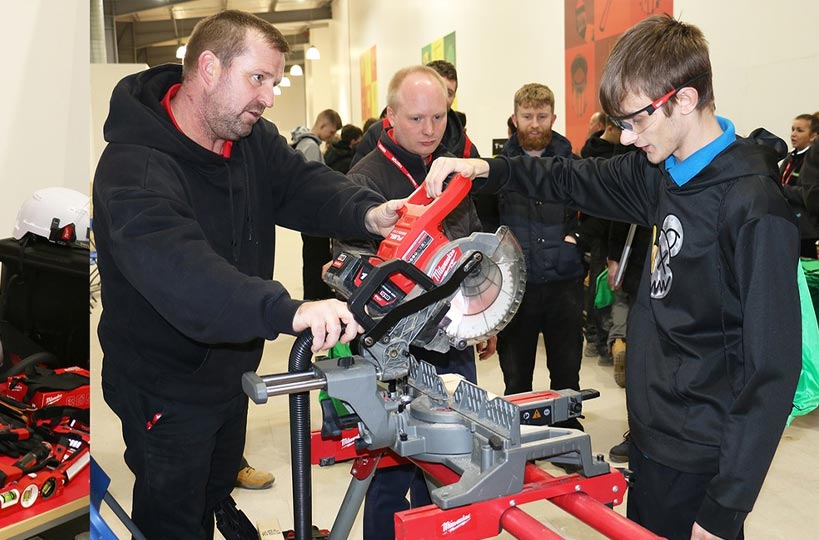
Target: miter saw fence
{"points": [[422, 289]]}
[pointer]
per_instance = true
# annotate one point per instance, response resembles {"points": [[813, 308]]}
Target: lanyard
{"points": [[389, 155], [788, 172]]}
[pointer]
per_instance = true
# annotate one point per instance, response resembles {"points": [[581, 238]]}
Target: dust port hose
{"points": [[300, 361]]}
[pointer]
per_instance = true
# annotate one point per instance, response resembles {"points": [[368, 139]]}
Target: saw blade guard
{"points": [[490, 295]]}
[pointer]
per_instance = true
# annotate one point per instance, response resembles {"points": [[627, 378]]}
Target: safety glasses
{"points": [[622, 121]]}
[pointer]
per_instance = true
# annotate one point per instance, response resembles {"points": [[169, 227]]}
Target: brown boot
{"points": [[250, 478], [618, 355]]}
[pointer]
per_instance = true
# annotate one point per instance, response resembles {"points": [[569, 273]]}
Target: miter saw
{"points": [[424, 290]]}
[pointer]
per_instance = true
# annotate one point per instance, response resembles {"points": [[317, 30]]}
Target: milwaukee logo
{"points": [[347, 442], [452, 526], [51, 400], [446, 264]]}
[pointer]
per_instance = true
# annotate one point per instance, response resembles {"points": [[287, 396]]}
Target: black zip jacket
{"points": [[799, 193], [339, 156], [186, 242], [714, 338], [541, 226]]}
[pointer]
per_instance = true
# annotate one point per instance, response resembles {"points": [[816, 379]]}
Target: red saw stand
{"points": [[588, 499]]}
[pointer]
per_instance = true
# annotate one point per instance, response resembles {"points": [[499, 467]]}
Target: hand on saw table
{"points": [[324, 318], [442, 167]]}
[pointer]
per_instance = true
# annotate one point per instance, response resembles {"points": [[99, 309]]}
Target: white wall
{"points": [[43, 101], [764, 54], [330, 74]]}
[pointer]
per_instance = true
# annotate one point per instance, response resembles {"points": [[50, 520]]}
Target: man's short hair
{"points": [[444, 69], [225, 35], [654, 57], [349, 133], [813, 121], [402, 74], [534, 95], [329, 116]]}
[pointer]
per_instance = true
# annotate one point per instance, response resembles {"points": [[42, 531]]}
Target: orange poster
{"points": [[592, 28]]}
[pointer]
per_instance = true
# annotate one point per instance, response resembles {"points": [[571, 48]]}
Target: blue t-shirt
{"points": [[683, 171]]}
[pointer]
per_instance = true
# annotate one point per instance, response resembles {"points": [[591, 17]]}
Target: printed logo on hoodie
{"points": [[669, 243]]}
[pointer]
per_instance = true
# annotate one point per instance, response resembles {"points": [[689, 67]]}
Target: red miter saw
{"points": [[423, 289]]}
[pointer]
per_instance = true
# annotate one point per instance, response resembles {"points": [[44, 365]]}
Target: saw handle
{"points": [[456, 186], [419, 230]]}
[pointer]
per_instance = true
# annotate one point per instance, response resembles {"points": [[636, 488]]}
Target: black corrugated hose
{"points": [[300, 361]]}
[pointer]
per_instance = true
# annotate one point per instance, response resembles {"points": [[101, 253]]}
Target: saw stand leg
{"points": [[362, 472]]}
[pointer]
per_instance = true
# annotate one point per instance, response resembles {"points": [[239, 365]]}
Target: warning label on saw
{"points": [[537, 416], [417, 248]]}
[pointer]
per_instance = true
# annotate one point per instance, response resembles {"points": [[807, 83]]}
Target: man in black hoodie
{"points": [[714, 349], [187, 196]]}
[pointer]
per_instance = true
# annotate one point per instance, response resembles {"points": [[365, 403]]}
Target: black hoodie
{"points": [[715, 336], [186, 242]]}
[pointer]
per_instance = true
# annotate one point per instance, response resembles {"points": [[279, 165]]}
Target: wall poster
{"points": [[591, 29], [441, 49], [369, 85]]}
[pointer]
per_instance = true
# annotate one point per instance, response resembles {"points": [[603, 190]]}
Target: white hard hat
{"points": [[57, 214]]}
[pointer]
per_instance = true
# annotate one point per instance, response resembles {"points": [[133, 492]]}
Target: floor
{"points": [[785, 508]]}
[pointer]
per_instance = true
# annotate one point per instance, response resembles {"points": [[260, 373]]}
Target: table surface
{"points": [[43, 515]]}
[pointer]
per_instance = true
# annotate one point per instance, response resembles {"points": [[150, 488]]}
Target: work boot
{"points": [[618, 356], [250, 478], [619, 452]]}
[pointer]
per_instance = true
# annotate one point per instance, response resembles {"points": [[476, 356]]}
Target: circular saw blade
{"points": [[490, 295]]}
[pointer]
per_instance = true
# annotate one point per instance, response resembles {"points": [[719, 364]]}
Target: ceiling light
{"points": [[180, 52], [296, 71], [277, 91], [312, 53], [285, 82]]}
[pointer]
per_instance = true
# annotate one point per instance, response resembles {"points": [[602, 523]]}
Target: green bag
{"points": [[811, 269], [339, 350], [603, 296], [806, 398]]}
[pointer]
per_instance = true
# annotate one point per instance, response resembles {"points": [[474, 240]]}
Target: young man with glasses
{"points": [[714, 338]]}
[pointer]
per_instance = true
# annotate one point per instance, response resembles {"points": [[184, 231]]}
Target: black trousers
{"points": [[665, 500], [556, 311], [184, 464], [315, 253]]}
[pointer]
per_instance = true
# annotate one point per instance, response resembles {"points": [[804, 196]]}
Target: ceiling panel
{"points": [[147, 29]]}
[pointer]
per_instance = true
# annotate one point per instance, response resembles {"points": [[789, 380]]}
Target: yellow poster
{"points": [[369, 85]]}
